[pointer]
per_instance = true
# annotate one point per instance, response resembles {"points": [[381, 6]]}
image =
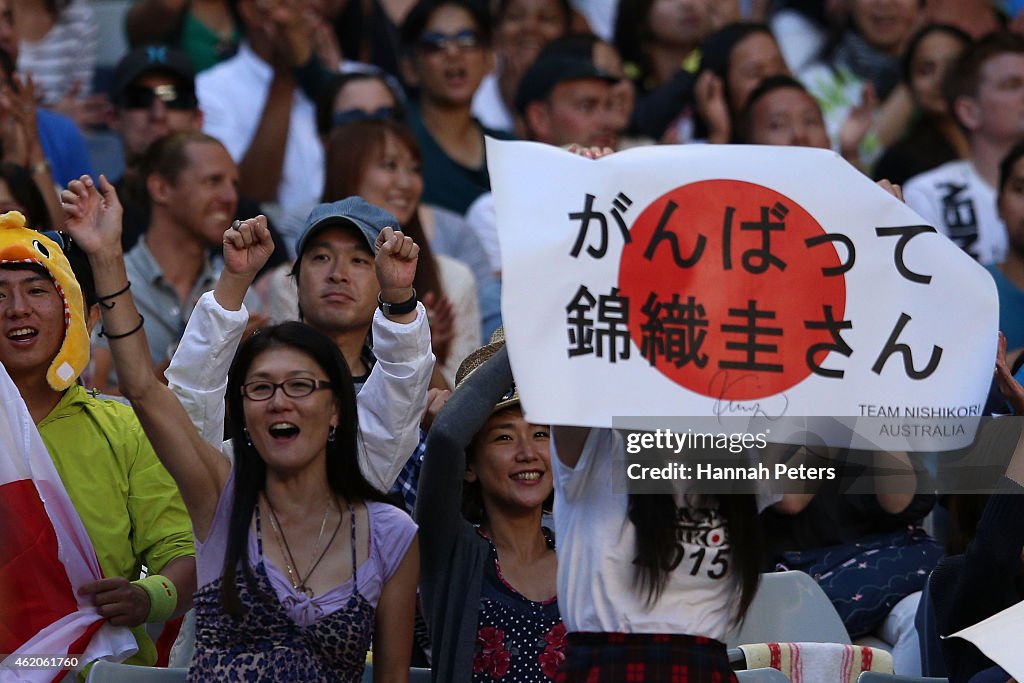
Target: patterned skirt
{"points": [[644, 658]]}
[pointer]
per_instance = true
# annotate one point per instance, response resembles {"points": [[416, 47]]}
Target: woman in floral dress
{"points": [[488, 570]]}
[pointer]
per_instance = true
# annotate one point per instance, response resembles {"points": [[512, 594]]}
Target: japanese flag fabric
{"points": [[45, 555]]}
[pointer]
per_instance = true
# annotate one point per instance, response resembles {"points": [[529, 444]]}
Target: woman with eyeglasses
{"points": [[300, 560]]}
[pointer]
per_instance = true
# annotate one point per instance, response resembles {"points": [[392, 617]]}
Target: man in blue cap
{"points": [[358, 295], [356, 292]]}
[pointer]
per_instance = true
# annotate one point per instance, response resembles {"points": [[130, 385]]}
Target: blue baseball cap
{"points": [[354, 212]]}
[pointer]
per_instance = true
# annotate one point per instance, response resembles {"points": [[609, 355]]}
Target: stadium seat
{"points": [[790, 607]]}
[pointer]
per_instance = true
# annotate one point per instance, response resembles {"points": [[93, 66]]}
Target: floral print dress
{"points": [[517, 639], [266, 643]]}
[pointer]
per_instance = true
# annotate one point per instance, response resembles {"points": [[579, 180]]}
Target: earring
{"points": [[331, 433], [248, 439]]}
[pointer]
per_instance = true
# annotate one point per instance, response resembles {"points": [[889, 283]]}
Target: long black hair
{"points": [[654, 517], [344, 476]]}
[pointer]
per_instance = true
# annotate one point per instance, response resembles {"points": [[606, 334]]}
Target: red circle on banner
{"points": [[721, 284]]}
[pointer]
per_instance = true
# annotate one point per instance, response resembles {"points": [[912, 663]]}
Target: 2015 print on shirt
{"points": [[701, 543]]}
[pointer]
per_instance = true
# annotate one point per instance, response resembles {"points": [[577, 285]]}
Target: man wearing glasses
{"points": [[154, 94]]}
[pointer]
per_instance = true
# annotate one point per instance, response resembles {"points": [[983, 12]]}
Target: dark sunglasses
{"points": [[433, 43], [341, 118], [173, 97]]}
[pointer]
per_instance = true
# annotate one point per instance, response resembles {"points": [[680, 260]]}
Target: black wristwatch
{"points": [[401, 308]]}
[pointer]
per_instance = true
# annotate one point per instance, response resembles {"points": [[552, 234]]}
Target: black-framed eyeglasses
{"points": [[142, 97], [433, 42], [296, 387]]}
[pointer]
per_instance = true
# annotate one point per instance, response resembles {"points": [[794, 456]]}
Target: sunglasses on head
{"points": [[173, 97], [433, 43], [341, 118]]}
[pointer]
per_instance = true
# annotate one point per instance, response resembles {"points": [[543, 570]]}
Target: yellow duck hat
{"points": [[19, 244]]}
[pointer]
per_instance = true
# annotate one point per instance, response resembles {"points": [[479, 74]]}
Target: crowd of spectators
{"points": [[356, 131]]}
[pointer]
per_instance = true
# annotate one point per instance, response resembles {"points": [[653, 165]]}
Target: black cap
{"points": [[551, 69], [153, 59]]}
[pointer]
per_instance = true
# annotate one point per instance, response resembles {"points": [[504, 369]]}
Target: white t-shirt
{"points": [[597, 585], [961, 205]]}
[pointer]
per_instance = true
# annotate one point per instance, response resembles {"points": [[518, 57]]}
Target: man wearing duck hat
{"points": [[127, 501]]}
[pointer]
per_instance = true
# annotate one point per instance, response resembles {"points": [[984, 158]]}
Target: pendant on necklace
{"points": [[305, 589]]}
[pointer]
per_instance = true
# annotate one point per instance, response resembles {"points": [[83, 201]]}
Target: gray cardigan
{"points": [[453, 555]]}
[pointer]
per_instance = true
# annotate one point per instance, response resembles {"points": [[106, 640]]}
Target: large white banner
{"points": [[712, 280]]}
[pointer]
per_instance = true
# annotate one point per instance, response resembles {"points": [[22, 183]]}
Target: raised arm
{"points": [[21, 142], [94, 221], [198, 371], [444, 464], [895, 482], [393, 398], [261, 166]]}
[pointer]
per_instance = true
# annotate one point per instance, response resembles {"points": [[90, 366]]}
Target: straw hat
{"points": [[478, 358]]}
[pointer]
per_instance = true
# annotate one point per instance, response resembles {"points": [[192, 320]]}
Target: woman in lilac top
{"points": [[300, 560]]}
